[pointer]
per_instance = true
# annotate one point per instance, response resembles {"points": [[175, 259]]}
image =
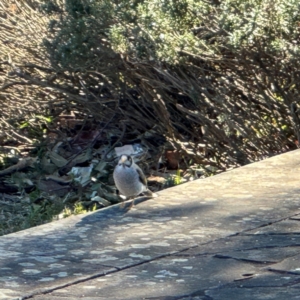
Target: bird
{"points": [[130, 179]]}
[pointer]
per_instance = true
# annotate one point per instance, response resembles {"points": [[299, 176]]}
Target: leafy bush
{"points": [[216, 79]]}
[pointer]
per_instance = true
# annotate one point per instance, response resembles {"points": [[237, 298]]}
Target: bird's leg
{"points": [[132, 203], [124, 198], [127, 198]]}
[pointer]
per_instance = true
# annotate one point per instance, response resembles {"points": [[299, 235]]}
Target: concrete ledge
{"points": [[232, 236]]}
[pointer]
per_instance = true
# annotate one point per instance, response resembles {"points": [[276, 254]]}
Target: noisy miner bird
{"points": [[130, 179]]}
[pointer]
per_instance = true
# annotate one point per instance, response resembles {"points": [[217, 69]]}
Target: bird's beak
{"points": [[123, 159]]}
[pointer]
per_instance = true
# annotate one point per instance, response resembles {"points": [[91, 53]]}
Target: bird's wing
{"points": [[142, 176]]}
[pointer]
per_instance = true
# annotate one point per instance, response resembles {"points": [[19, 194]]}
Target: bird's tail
{"points": [[150, 194]]}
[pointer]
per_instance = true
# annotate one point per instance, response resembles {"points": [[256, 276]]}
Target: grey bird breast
{"points": [[128, 181]]}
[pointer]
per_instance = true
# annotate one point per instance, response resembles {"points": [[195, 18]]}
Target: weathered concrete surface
{"points": [[231, 236]]}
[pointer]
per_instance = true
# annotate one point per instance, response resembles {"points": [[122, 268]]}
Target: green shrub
{"points": [[216, 78]]}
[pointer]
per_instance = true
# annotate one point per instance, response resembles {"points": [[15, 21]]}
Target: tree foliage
{"points": [[215, 78]]}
